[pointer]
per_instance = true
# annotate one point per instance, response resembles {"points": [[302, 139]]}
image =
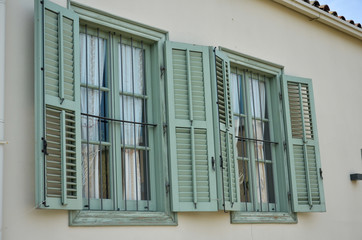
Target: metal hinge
{"points": [[45, 145], [162, 69], [167, 185], [164, 128], [285, 145], [280, 96], [289, 196]]}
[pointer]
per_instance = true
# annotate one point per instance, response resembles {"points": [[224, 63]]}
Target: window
{"points": [[132, 128], [252, 116], [117, 139]]}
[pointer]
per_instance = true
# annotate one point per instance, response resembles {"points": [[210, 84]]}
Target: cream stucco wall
{"points": [[259, 28]]}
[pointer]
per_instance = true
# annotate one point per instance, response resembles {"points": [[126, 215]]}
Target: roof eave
{"points": [[321, 16]]}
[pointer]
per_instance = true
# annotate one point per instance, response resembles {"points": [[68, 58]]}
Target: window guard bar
{"points": [[118, 120], [255, 140]]}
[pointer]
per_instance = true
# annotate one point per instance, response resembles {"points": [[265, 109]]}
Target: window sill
{"points": [[263, 217], [119, 218]]}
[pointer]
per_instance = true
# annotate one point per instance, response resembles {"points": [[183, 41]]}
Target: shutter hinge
{"points": [[221, 162], [45, 145], [162, 69], [285, 145], [280, 96], [289, 196], [45, 204], [167, 187], [164, 128], [321, 173]]}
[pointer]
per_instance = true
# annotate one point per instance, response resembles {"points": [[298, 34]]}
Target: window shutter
{"points": [[190, 126], [224, 140], [305, 166], [57, 107]]}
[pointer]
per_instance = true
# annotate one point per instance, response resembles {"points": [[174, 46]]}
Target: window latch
{"points": [[321, 173], [213, 163], [45, 145]]}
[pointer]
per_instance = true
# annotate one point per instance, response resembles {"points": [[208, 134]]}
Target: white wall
{"points": [[260, 28]]}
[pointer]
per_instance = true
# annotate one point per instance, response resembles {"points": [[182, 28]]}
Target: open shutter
{"points": [[57, 107], [224, 138], [305, 166], [190, 128]]}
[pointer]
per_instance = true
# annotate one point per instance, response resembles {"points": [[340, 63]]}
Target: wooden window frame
{"points": [[155, 38], [274, 72]]}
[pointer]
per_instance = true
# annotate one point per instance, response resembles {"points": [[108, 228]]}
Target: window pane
{"points": [[132, 67], [96, 173], [244, 181], [135, 176], [93, 60], [258, 98], [238, 96]]}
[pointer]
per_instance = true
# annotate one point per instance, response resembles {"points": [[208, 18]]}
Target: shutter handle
{"points": [[213, 163], [321, 173]]}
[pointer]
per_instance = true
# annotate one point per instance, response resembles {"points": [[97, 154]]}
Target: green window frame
{"points": [[192, 144]]}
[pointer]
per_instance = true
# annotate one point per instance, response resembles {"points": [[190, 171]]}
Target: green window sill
{"points": [[263, 217], [121, 218]]}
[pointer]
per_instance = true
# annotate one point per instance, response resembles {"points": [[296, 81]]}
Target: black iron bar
{"points": [[118, 120]]}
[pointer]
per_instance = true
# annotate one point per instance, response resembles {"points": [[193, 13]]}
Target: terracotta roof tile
{"points": [[333, 13]]}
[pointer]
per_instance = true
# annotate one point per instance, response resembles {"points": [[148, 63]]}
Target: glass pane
{"points": [[96, 105], [132, 67], [244, 181], [261, 182], [258, 99], [93, 60], [270, 181], [132, 109], [238, 97], [240, 133], [96, 171], [135, 181]]}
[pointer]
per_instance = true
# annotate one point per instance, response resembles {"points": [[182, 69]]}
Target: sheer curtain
{"points": [[93, 54], [132, 109]]}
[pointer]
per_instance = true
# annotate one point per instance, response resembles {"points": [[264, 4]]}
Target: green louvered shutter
{"points": [[190, 127], [57, 107], [305, 166], [224, 137]]}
